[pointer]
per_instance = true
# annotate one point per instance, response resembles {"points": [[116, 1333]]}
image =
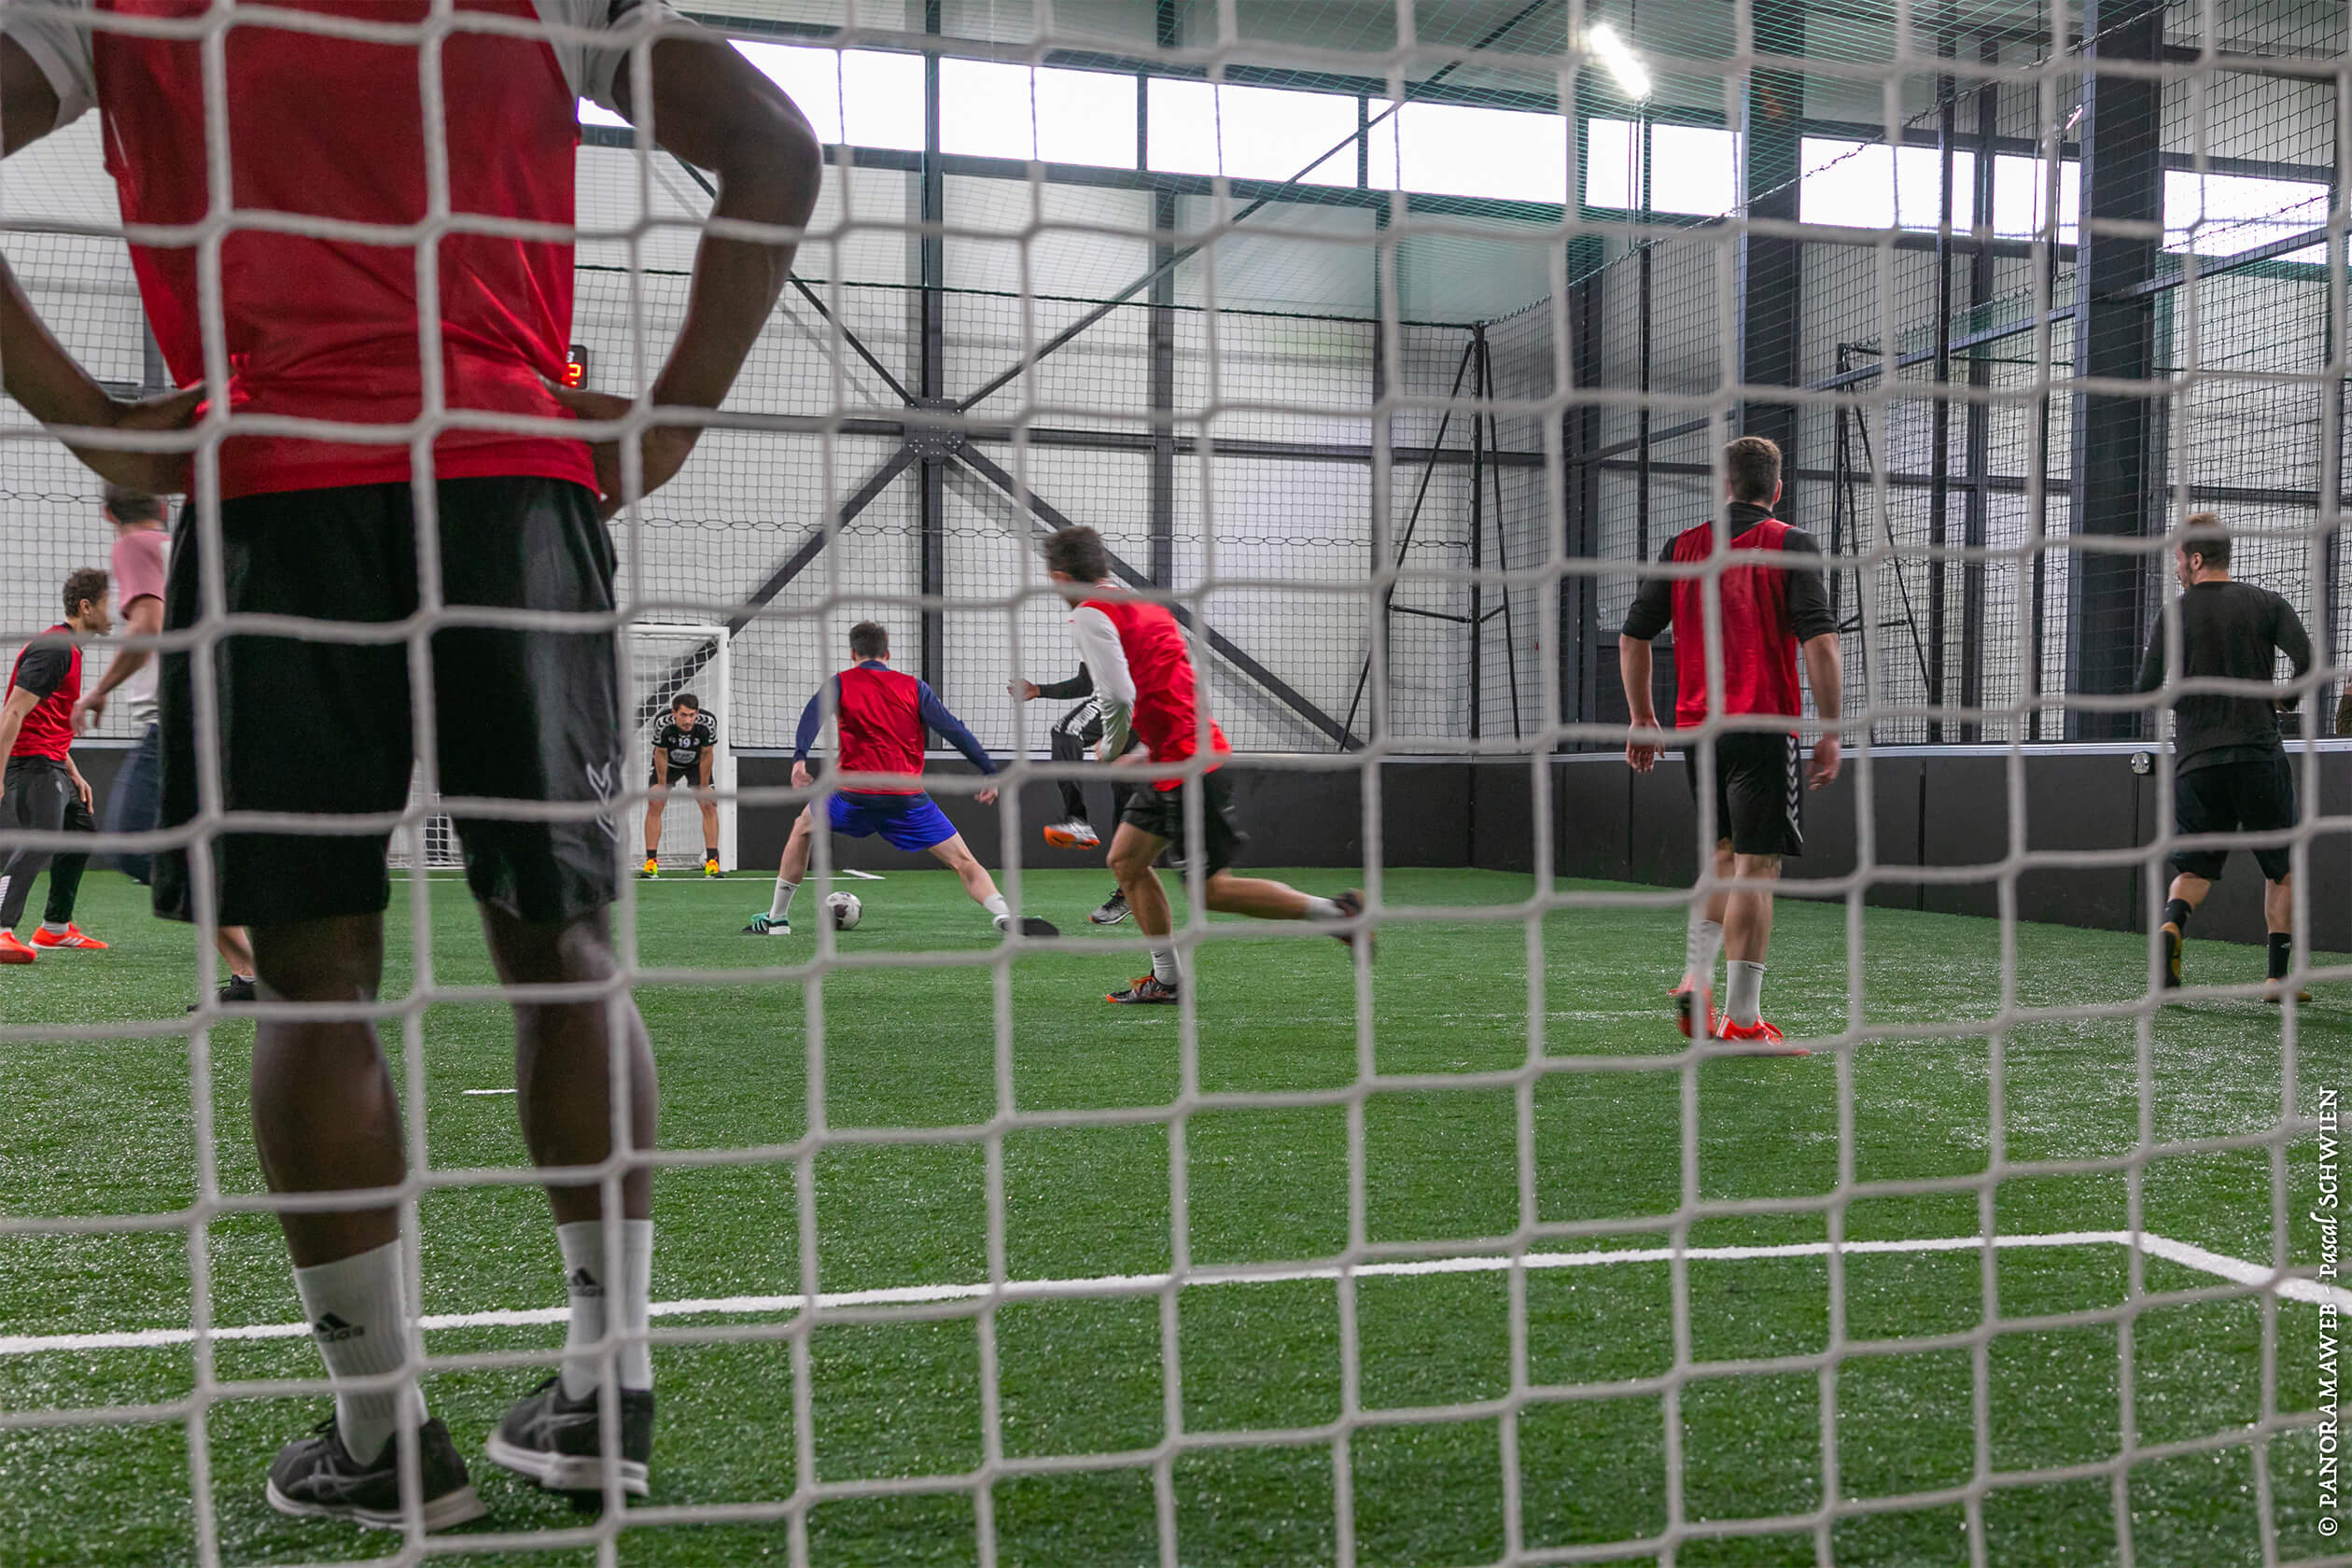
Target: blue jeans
{"points": [[136, 802]]}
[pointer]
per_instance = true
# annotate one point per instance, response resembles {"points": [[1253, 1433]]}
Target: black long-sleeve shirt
{"points": [[2228, 631], [1079, 685]]}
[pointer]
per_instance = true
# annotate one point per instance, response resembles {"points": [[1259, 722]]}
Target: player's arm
{"points": [[716, 110], [2151, 670], [2289, 637], [20, 701], [1816, 631], [705, 753], [936, 714], [1077, 686], [1651, 612], [1106, 662], [144, 618], [36, 367], [812, 722]]}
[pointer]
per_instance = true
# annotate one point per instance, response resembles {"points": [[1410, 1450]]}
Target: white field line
{"points": [[2236, 1270], [486, 1091]]}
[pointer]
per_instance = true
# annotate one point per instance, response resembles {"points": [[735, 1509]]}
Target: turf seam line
{"points": [[2219, 1265]]}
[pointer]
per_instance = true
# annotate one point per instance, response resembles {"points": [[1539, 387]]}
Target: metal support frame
{"points": [[1976, 525], [2115, 461], [1772, 268], [931, 507], [1580, 608]]}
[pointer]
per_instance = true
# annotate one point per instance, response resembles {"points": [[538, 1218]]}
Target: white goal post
{"points": [[661, 661]]}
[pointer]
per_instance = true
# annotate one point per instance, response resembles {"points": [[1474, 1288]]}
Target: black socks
{"points": [[2282, 953], [2177, 914]]}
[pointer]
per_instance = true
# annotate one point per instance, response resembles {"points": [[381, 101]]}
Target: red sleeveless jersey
{"points": [[881, 727], [47, 731], [1759, 636], [326, 329], [1167, 710]]}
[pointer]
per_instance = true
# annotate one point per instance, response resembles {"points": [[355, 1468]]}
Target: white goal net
{"points": [[1399, 349]]}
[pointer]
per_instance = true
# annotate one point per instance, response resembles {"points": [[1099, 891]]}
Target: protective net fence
{"points": [[1435, 1256]]}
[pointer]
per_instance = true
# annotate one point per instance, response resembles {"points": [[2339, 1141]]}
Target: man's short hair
{"points": [[685, 699], [868, 640], [1080, 552], [126, 505], [1752, 465], [2202, 534], [84, 586]]}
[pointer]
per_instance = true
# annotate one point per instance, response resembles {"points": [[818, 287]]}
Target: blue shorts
{"points": [[904, 821]]}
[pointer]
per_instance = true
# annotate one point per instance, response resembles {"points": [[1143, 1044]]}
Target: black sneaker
{"points": [[1114, 910], [1030, 926], [1351, 907], [559, 1442], [2171, 934], [236, 991], [1148, 990], [317, 1477]]}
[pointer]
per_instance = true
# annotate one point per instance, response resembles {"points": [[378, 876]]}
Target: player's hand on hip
{"points": [[985, 797], [160, 474], [1825, 761], [662, 450]]}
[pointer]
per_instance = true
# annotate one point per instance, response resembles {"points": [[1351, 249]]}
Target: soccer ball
{"points": [[844, 911]]}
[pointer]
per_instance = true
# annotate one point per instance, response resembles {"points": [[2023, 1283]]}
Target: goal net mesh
{"points": [[1391, 344]]}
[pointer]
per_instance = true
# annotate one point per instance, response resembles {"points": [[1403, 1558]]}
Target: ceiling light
{"points": [[1632, 76]]}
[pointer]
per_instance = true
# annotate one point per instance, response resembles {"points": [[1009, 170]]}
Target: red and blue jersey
{"points": [[884, 718]]}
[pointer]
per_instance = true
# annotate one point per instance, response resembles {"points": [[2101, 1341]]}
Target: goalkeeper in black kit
{"points": [[2230, 770], [1074, 737], [683, 748]]}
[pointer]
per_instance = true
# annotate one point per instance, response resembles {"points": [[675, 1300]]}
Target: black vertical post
{"points": [[2115, 458], [1771, 268], [1976, 525], [1580, 634], [1477, 529], [930, 369], [1163, 351], [1939, 453]]}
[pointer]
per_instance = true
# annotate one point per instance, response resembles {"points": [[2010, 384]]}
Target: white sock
{"points": [[1164, 964], [53, 927], [1746, 986], [583, 1244], [781, 905], [1700, 947], [353, 1306], [994, 904], [1323, 909]]}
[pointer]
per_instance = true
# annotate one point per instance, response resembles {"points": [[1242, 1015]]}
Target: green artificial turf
{"points": [[105, 1127]]}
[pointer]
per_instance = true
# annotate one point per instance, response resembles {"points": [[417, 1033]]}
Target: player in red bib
{"points": [[316, 523], [882, 718], [45, 792], [1768, 613], [1142, 670]]}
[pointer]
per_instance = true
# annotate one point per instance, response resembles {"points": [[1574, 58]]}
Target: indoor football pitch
{"points": [[2057, 1396]]}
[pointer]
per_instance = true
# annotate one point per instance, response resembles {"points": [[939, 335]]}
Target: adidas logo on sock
{"points": [[333, 1328], [581, 1283]]}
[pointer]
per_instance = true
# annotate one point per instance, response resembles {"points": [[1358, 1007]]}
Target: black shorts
{"points": [[1759, 792], [1161, 814], [2253, 796], [324, 727]]}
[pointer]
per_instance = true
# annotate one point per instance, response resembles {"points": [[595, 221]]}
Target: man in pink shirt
{"points": [[142, 548]]}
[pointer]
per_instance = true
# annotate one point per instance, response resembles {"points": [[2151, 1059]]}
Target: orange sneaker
{"points": [[1690, 1004], [13, 951], [72, 936], [1762, 1034]]}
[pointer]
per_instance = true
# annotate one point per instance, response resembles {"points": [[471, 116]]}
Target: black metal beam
{"points": [[1050, 519], [813, 545], [1976, 434], [2116, 464], [931, 531], [1771, 275]]}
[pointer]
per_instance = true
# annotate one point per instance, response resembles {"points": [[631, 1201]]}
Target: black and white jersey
{"points": [[685, 747]]}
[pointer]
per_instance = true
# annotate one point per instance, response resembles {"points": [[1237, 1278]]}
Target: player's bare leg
{"points": [[2180, 902], [1133, 853], [568, 1060], [235, 946], [793, 866], [326, 1119], [1694, 994], [2278, 919], [1262, 898], [655, 805], [1747, 936], [957, 856], [710, 834]]}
